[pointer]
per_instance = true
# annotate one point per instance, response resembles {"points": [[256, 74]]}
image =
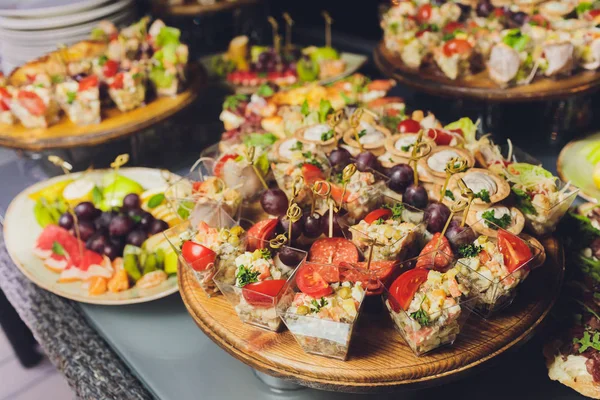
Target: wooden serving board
{"points": [[479, 86], [379, 359], [114, 124], [194, 8]]}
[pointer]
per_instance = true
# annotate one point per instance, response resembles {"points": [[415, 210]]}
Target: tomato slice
{"points": [[260, 232], [441, 137], [456, 46], [409, 126], [538, 19], [453, 26], [261, 294], [110, 68], [435, 257], [199, 257], [117, 82], [88, 82], [32, 102], [311, 282], [336, 194], [514, 250], [380, 213], [404, 288], [4, 99], [593, 13], [311, 173], [218, 169], [424, 13]]}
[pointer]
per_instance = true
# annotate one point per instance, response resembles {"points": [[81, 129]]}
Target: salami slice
{"points": [[260, 232], [333, 251], [384, 271]]}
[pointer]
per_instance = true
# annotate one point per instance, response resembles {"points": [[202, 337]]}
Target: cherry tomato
{"points": [[117, 82], [409, 126], [260, 232], [32, 102], [199, 257], [88, 82], [311, 173], [218, 169], [4, 99], [380, 213], [452, 26], [456, 46], [593, 13], [441, 136], [437, 254], [110, 68], [262, 294], [539, 20], [311, 282], [424, 13], [405, 286], [514, 250]]}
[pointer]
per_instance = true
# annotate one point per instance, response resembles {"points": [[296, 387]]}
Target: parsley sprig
{"points": [[266, 254], [449, 195], [483, 195], [317, 305], [246, 276], [396, 210], [588, 341], [310, 158], [524, 201], [493, 222], [421, 315], [469, 250], [232, 102], [327, 135]]}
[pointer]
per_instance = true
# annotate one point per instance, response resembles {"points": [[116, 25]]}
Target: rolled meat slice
{"points": [[503, 63], [560, 57]]}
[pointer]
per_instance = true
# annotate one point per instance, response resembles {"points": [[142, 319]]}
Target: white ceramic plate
{"points": [[21, 230], [61, 34], [45, 8], [60, 21]]}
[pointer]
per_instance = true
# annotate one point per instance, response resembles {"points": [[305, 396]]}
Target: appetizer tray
{"points": [[379, 360], [114, 124], [480, 86], [20, 227], [575, 165]]}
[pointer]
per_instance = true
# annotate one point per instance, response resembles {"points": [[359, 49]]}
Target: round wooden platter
{"points": [[194, 8], [572, 166], [479, 86], [379, 359], [114, 124]]}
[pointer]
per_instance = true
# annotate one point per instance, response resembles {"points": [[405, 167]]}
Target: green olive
{"points": [[302, 310], [345, 293]]}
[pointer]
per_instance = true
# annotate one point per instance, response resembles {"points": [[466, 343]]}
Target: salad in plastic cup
{"points": [[257, 284], [428, 307], [321, 306], [540, 196], [205, 247], [493, 267], [200, 188]]}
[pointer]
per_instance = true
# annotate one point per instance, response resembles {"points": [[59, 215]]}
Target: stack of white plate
{"points": [[32, 28]]}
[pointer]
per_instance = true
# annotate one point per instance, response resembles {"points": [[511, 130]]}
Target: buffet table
{"points": [[156, 350]]}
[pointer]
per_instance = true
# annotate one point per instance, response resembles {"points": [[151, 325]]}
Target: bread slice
{"points": [[571, 372]]}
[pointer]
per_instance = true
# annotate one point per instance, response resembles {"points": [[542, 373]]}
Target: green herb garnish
{"points": [[469, 250], [588, 341], [421, 316], [406, 148], [394, 26], [298, 146], [156, 200], [317, 305], [483, 195], [327, 135], [71, 96], [493, 222], [58, 249], [305, 109], [524, 201], [266, 254], [56, 79], [347, 99], [246, 276], [310, 159], [515, 39], [583, 7], [102, 60], [379, 221], [362, 133], [232, 102], [325, 108], [265, 91], [396, 210], [449, 195]]}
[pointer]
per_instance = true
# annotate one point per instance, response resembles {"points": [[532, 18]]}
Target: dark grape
{"points": [[436, 215], [484, 8], [118, 242], [415, 196], [337, 229], [137, 237], [131, 201], [274, 202], [366, 161], [86, 230], [157, 226], [80, 76], [146, 221], [297, 227], [290, 257], [270, 66], [86, 211], [111, 251], [339, 157], [401, 176], [120, 225], [313, 224], [459, 235], [517, 19], [103, 221], [136, 214], [260, 66], [97, 242], [66, 221], [264, 57], [465, 11]]}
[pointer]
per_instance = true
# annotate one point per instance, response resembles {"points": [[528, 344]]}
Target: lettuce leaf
{"points": [[161, 78], [168, 36], [467, 126], [260, 139], [528, 175]]}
